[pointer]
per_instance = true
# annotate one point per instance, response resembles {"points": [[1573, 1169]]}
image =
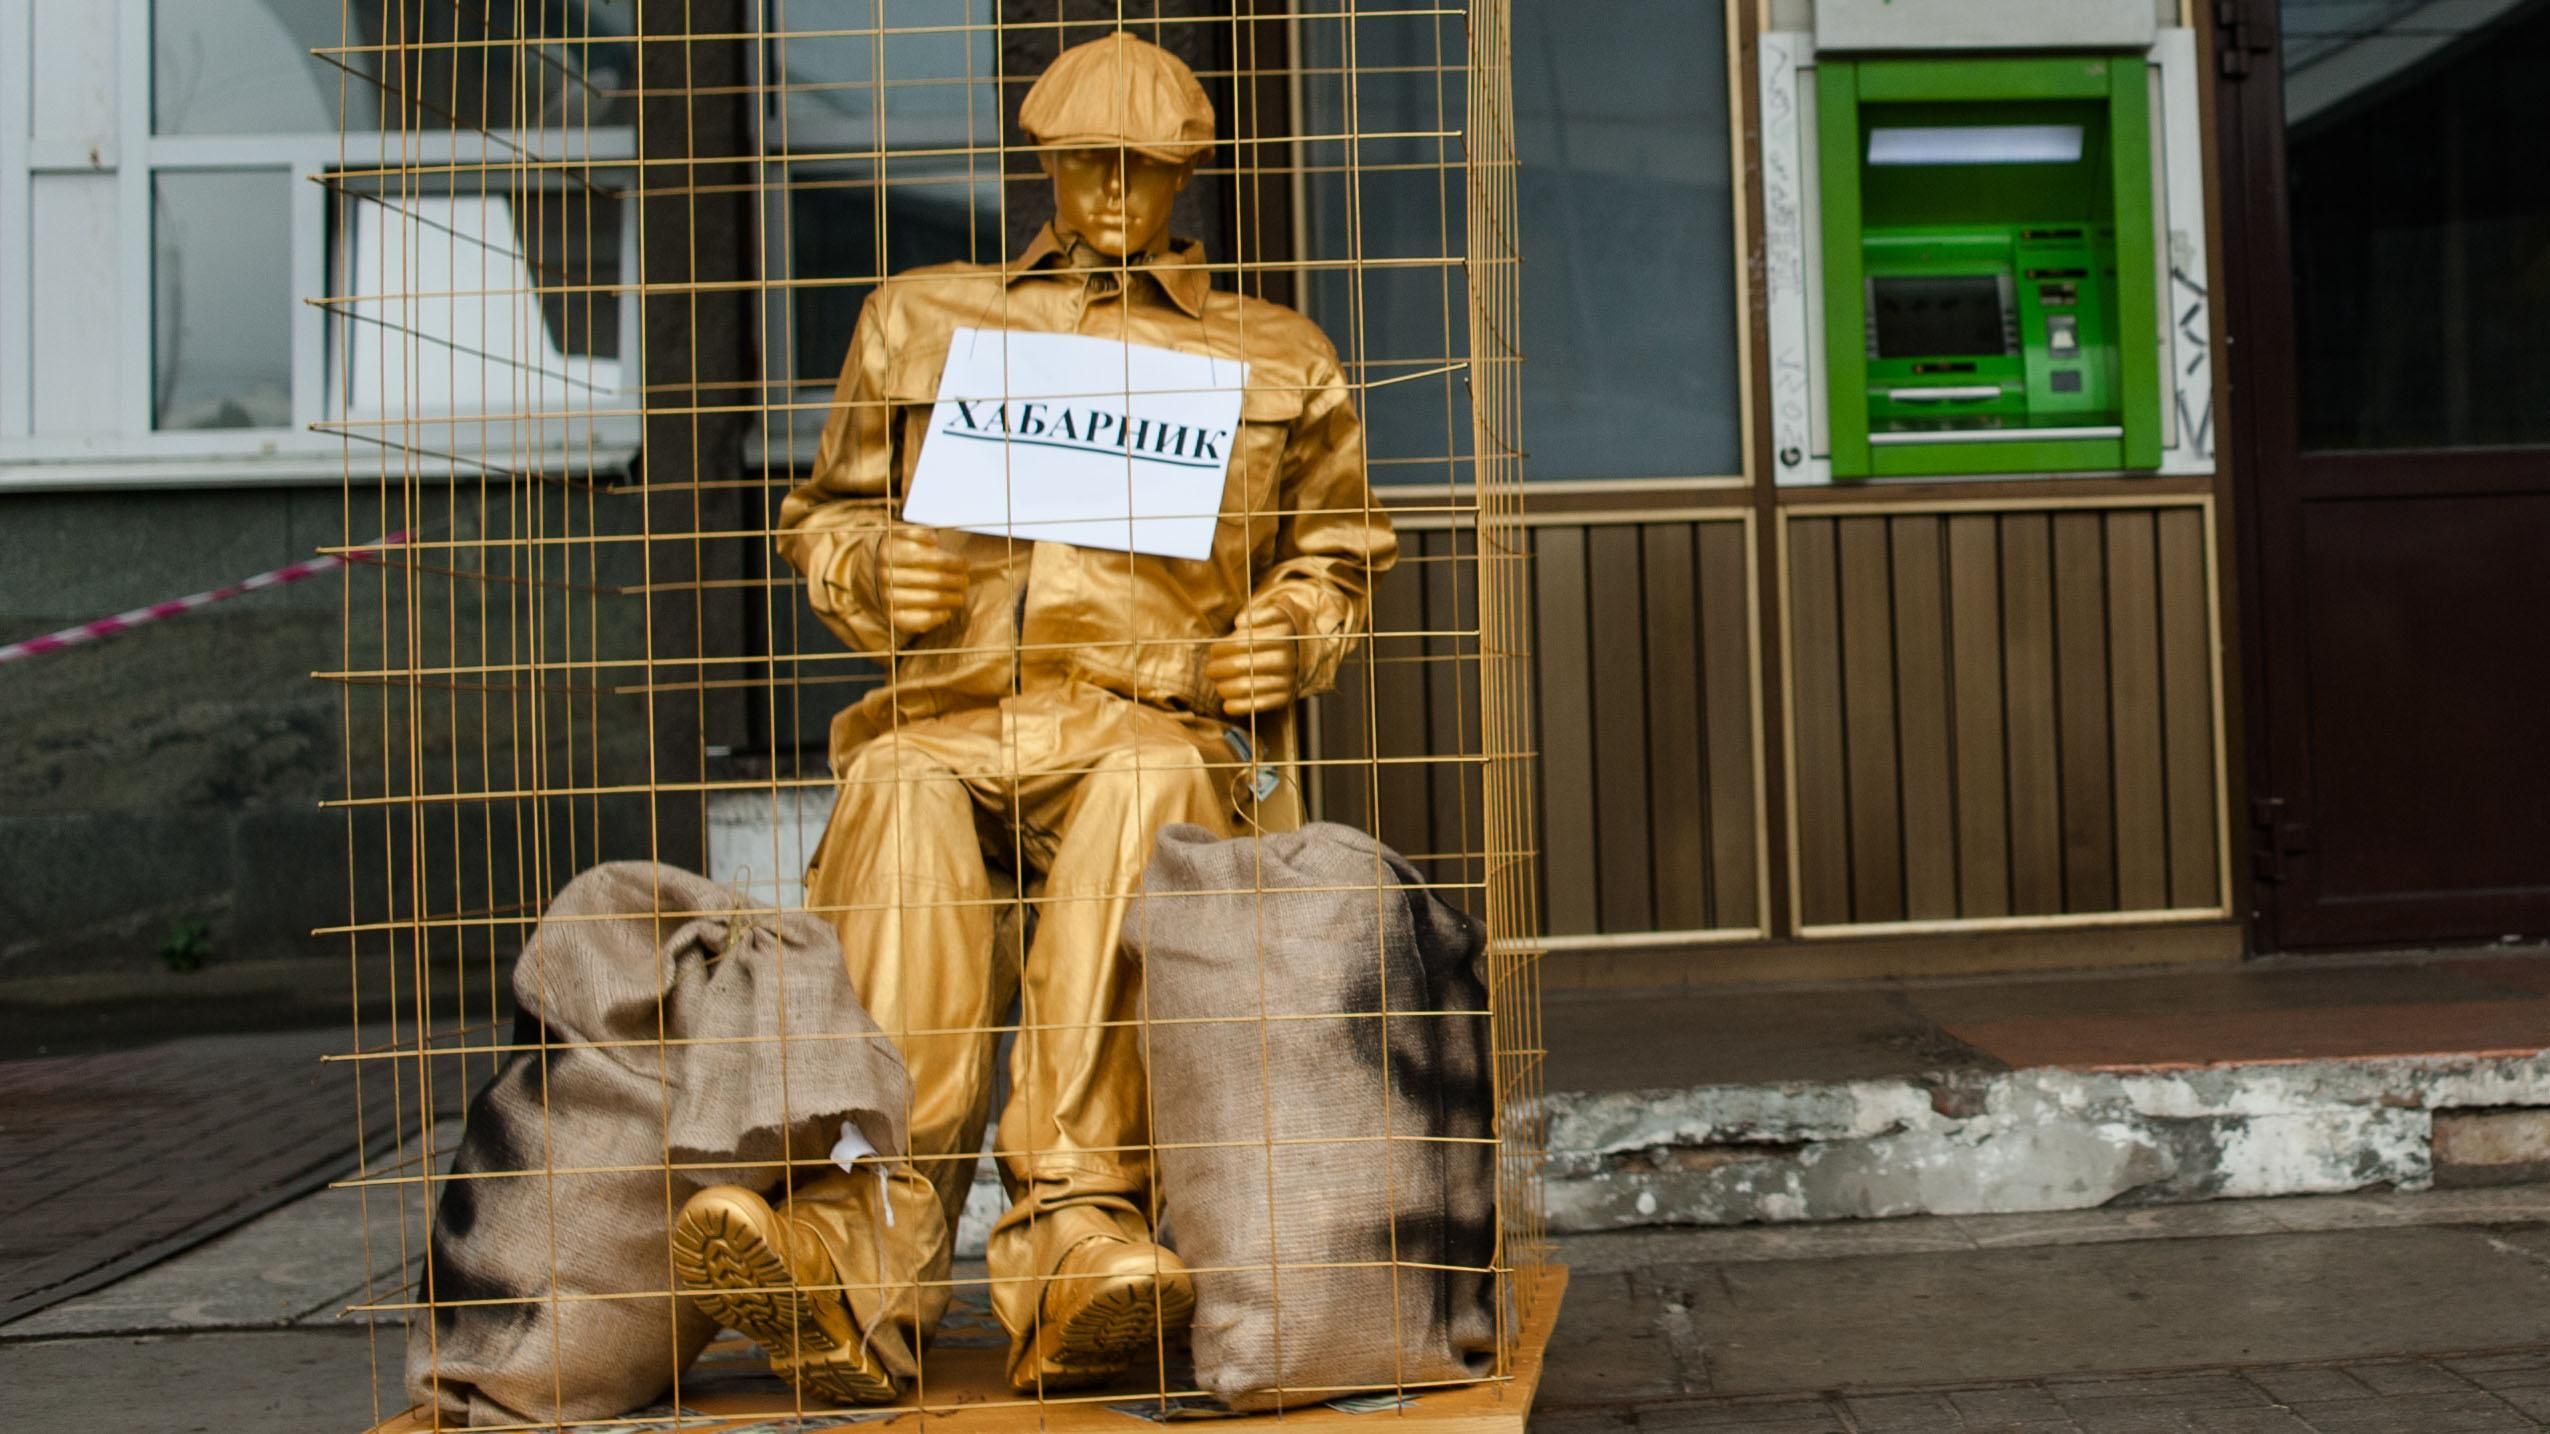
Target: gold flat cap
{"points": [[1120, 91]]}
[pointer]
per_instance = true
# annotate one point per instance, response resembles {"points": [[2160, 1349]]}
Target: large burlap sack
{"points": [[746, 1048], [1292, 1146]]}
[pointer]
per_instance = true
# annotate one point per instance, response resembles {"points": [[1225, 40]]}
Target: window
{"points": [[1629, 316], [221, 346], [867, 179], [2418, 173], [1382, 91], [156, 238], [479, 324]]}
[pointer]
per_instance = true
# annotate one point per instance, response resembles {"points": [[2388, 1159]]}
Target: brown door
{"points": [[2387, 201]]}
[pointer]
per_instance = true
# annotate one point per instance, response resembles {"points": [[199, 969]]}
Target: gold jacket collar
{"points": [[1178, 269]]}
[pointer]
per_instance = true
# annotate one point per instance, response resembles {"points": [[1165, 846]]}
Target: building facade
{"points": [[2265, 677]]}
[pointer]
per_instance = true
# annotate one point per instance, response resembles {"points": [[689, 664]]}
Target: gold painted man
{"points": [[1048, 710]]}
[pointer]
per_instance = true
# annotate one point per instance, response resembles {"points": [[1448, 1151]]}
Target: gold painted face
{"points": [[1116, 201]]}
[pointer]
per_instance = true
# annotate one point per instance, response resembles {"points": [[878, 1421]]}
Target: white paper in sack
{"points": [[1070, 439]]}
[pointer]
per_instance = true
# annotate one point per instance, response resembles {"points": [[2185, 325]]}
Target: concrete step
{"points": [[2012, 1096], [2043, 1139]]}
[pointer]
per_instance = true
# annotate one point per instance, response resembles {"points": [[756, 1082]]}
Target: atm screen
{"points": [[1931, 316]]}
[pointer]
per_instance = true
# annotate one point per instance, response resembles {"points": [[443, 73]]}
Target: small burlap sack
{"points": [[1353, 1138], [570, 1143]]}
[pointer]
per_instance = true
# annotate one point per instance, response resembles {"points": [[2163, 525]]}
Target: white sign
{"points": [[1985, 24], [1078, 440]]}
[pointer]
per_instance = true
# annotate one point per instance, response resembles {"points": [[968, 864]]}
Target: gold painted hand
{"points": [[922, 583], [1258, 667]]}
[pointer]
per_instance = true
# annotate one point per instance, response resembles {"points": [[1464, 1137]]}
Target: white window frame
{"points": [[134, 454]]}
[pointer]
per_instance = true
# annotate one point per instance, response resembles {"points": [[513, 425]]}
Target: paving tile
{"points": [[2533, 1400], [1989, 1408], [1816, 1425], [2468, 1411], [2391, 1209], [1990, 1316], [301, 1260], [2297, 1386], [2245, 1421], [1609, 1350], [2504, 1371], [92, 1192], [1582, 1421], [2155, 1393], [1741, 1416], [1755, 1244], [2155, 1222], [319, 1381], [2407, 1377], [1908, 1413], [2129, 1421]]}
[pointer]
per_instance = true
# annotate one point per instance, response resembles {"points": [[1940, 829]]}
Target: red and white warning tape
{"points": [[142, 616]]}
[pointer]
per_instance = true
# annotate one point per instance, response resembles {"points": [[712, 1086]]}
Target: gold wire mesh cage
{"points": [[595, 268]]}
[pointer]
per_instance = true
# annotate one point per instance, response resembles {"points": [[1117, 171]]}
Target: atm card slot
{"points": [[1996, 435]]}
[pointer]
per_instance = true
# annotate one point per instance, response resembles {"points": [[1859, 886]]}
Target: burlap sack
{"points": [[1292, 1146], [572, 1144]]}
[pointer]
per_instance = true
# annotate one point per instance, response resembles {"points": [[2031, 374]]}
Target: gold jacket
{"points": [[1299, 528]]}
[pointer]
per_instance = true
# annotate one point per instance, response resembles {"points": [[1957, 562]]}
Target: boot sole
{"points": [[722, 1262], [1127, 1315]]}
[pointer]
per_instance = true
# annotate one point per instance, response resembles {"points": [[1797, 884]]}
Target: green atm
{"points": [[1989, 271]]}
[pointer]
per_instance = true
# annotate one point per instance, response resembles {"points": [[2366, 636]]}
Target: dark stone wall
{"points": [[172, 774], [175, 775]]}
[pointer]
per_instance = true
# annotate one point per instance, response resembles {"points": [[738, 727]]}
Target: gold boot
{"points": [[1106, 1302], [779, 1276]]}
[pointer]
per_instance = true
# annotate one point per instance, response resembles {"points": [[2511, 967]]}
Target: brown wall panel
{"points": [[1727, 675], [2133, 665], [2081, 694], [2034, 766], [1982, 791], [1868, 721], [1459, 827], [1677, 833], [1923, 719], [1340, 785], [2001, 714], [2187, 708], [1994, 715], [1403, 817], [1618, 642], [1562, 680], [1640, 640], [1822, 818]]}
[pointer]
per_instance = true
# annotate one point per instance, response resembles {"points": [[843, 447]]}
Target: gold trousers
{"points": [[941, 828]]}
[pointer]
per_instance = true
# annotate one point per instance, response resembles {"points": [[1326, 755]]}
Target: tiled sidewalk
{"points": [[2416, 1396], [2363, 1314], [113, 1161], [2354, 1314]]}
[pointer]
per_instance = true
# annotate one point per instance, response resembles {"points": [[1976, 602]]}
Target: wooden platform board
{"points": [[965, 1393]]}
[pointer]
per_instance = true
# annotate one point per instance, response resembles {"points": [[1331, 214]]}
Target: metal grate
{"points": [[591, 264]]}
